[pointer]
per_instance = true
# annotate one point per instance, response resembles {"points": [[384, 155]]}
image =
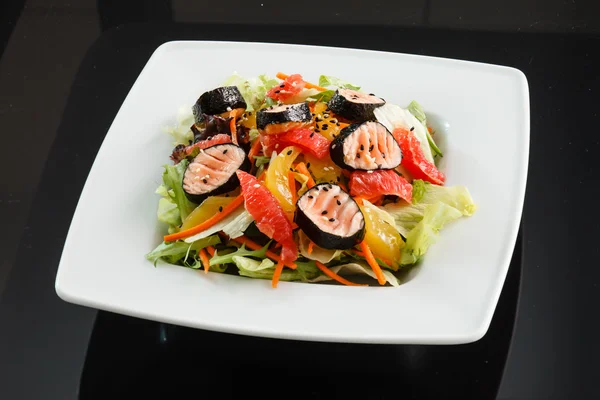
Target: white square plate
{"points": [[483, 111]]}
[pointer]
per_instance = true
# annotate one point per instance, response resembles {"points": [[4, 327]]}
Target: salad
{"points": [[282, 179]]}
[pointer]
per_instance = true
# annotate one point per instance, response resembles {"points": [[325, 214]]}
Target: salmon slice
{"points": [[353, 105], [213, 170], [283, 118], [366, 146], [330, 217]]}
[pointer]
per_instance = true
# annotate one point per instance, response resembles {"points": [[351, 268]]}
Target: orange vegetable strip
{"points": [[335, 276], [255, 246], [211, 250], [208, 223], [301, 168], [277, 245], [204, 259], [360, 253], [232, 129], [309, 85], [292, 184], [310, 247], [373, 263], [254, 150], [277, 274], [343, 125]]}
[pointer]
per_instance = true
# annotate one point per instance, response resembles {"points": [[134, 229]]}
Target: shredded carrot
{"points": [[204, 259], [358, 200], [343, 125], [335, 276], [254, 150], [429, 129], [277, 274], [372, 262], [310, 247], [292, 184], [360, 253], [232, 129], [294, 226], [301, 168], [211, 250], [208, 223], [255, 246], [309, 85]]}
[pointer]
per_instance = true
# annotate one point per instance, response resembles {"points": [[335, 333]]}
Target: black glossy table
{"points": [[551, 354]]}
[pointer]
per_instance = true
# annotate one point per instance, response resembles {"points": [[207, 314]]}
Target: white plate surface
{"points": [[483, 111]]}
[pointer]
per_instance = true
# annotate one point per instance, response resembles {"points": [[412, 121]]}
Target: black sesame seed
{"points": [[282, 85], [371, 147], [310, 197], [225, 151], [249, 112], [338, 178], [277, 91], [289, 152], [339, 203], [317, 130], [311, 135], [287, 108], [383, 155], [371, 94], [357, 155], [220, 208], [362, 147], [325, 189], [205, 181], [337, 124], [332, 121], [324, 212], [318, 119], [331, 219], [307, 165], [330, 186], [412, 129], [325, 126]]}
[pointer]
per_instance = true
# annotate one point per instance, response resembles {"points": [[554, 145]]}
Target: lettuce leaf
{"points": [[240, 252], [426, 232], [324, 96], [318, 253], [266, 268], [181, 132], [253, 90], [261, 160], [233, 225], [407, 216], [172, 178], [328, 81], [172, 252], [415, 109], [168, 212]]}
